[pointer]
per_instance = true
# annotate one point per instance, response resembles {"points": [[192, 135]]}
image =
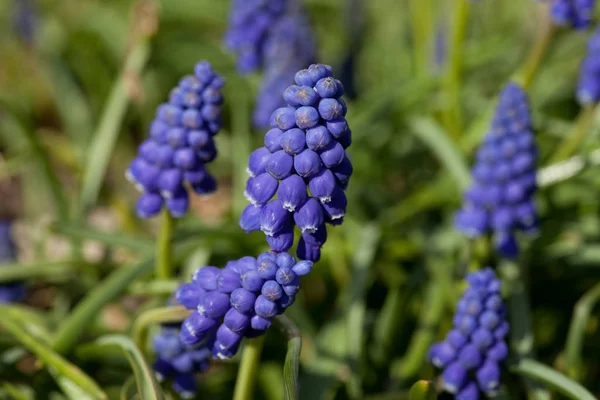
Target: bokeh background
{"points": [[79, 84]]}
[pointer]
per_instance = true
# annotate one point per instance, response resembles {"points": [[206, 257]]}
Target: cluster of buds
{"points": [[179, 146], [575, 13], [588, 87], [239, 300], [10, 292], [473, 350], [500, 200], [177, 361], [306, 147]]}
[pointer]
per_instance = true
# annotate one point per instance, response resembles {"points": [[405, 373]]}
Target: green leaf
{"points": [[70, 375], [581, 316], [552, 378], [292, 357], [422, 390], [108, 238], [449, 155], [41, 270], [148, 388]]}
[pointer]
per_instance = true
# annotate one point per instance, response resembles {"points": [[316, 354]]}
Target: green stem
{"points": [[164, 250], [292, 357], [244, 384], [571, 142], [452, 115], [581, 315], [421, 17], [536, 55]]}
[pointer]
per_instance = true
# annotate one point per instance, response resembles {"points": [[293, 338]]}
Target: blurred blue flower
{"points": [[180, 145], [588, 87], [501, 197], [25, 20], [10, 292], [575, 13], [239, 300], [472, 352], [306, 146]]}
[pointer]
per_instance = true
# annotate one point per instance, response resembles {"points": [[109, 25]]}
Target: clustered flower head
{"points": [[239, 300], [588, 87], [305, 148], [250, 22], [288, 48], [10, 292], [473, 351], [500, 199], [177, 361], [575, 13], [180, 145]]}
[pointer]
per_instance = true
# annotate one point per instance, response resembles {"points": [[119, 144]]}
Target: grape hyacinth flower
{"points": [[588, 87], [500, 199], [575, 13], [306, 147], [239, 300], [178, 361], [472, 352], [288, 48], [180, 145], [10, 292]]}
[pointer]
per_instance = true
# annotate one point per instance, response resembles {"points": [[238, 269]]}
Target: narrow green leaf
{"points": [[551, 378], [70, 374], [422, 390], [449, 155], [59, 270], [105, 137], [148, 388], [108, 238], [581, 316], [18, 392], [292, 357]]}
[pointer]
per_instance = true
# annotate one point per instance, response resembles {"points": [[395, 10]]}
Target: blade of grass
{"points": [[11, 322], [552, 379], [41, 270], [108, 238], [291, 365], [148, 388]]}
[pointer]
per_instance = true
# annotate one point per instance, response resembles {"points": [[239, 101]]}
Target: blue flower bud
{"points": [[273, 139], [285, 276], [307, 117], [333, 155], [327, 87], [228, 281], [501, 331], [250, 218], [183, 363], [252, 281], [243, 300], [280, 164], [309, 217], [259, 323], [178, 204], [343, 172], [144, 175], [284, 118], [455, 376], [214, 304], [303, 78], [337, 127], [318, 138], [265, 307], [267, 268], [470, 356], [307, 250], [206, 186], [236, 321], [158, 131], [176, 137], [285, 301], [261, 189], [149, 205], [292, 192], [323, 185], [271, 290], [468, 392], [206, 277], [482, 338], [282, 240], [198, 139], [456, 338], [258, 160], [293, 141], [170, 114], [227, 338], [162, 369], [331, 109], [318, 71], [307, 164], [441, 354], [466, 324], [285, 260], [208, 153], [195, 328], [189, 294], [488, 377], [303, 267], [185, 385], [489, 320], [336, 208], [170, 182]]}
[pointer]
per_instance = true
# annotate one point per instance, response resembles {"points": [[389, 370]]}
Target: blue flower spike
{"points": [[299, 177], [172, 161], [501, 198], [471, 354]]}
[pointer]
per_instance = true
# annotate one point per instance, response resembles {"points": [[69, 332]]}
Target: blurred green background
{"points": [[79, 87]]}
